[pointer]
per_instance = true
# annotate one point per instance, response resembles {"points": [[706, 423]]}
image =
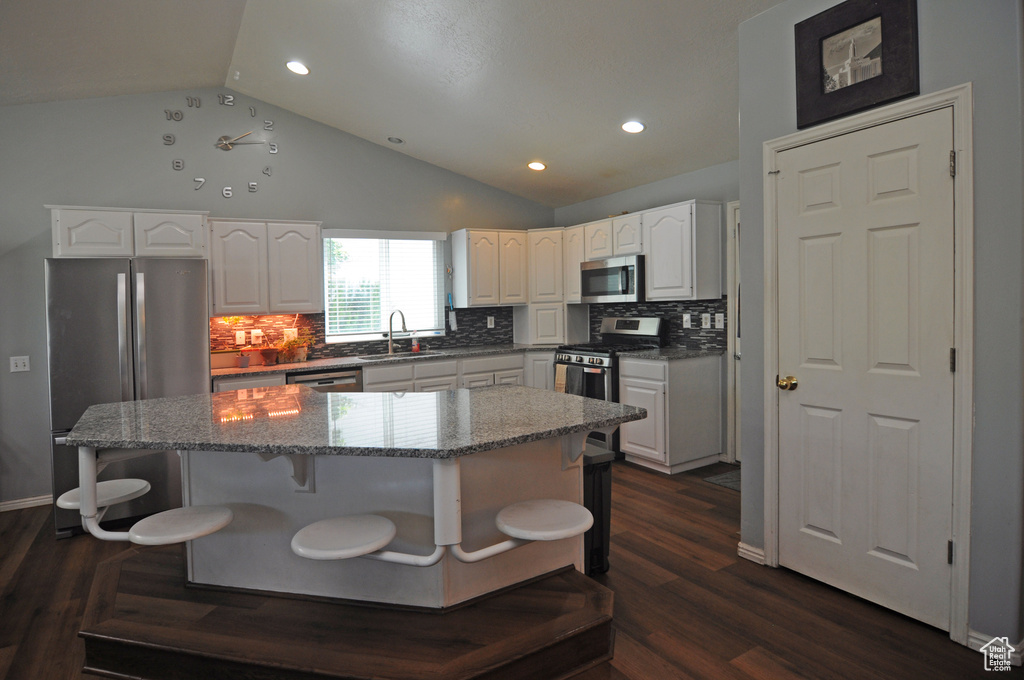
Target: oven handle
{"points": [[624, 281], [595, 370]]}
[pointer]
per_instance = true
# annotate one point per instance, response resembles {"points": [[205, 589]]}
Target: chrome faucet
{"points": [[391, 332]]}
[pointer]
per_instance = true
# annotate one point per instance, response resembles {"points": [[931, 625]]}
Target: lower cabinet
{"points": [[227, 383], [539, 368], [412, 376], [683, 398], [503, 369]]}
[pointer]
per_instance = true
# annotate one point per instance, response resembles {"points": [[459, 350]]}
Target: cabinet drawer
{"points": [[638, 368], [381, 374], [492, 363], [435, 369]]}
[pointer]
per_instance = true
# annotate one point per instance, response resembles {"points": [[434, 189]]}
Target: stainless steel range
{"points": [[591, 369]]}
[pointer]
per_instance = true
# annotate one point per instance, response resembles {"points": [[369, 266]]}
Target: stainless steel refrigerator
{"points": [[121, 330]]}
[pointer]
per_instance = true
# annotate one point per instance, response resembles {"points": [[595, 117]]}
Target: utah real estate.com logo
{"points": [[998, 653]]}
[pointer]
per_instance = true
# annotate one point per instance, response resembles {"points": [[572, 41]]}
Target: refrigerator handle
{"points": [[140, 333], [122, 337]]}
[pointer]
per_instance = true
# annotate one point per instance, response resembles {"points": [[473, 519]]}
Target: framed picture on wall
{"points": [[855, 56]]}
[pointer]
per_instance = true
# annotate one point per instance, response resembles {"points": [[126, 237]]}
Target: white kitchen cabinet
{"points": [[435, 376], [412, 375], [124, 232], [539, 368], [683, 246], [228, 383], [514, 268], [547, 282], [396, 377], [597, 240], [259, 267], [489, 268], [572, 256], [295, 271], [503, 369], [683, 428], [550, 323], [627, 235]]}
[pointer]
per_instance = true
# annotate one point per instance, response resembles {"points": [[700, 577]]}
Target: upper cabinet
{"points": [[546, 280], [489, 268], [259, 267], [613, 237], [683, 245], [573, 255], [122, 232]]}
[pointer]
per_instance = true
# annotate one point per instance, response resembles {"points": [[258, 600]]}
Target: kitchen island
{"points": [[439, 465]]}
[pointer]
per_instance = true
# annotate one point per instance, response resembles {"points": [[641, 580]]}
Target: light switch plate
{"points": [[686, 321], [490, 322], [239, 337], [719, 320], [705, 320], [19, 364]]}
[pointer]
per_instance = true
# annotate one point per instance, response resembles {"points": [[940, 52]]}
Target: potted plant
{"points": [[295, 349]]}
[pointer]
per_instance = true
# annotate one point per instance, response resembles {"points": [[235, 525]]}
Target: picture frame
{"points": [[855, 56]]}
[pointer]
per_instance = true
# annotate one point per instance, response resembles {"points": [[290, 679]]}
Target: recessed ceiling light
{"points": [[396, 140], [536, 165], [633, 126], [297, 67]]}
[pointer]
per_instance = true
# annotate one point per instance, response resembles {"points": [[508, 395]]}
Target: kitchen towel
{"points": [[574, 380], [560, 377]]}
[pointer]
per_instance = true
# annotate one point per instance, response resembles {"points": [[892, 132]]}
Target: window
{"points": [[368, 277]]}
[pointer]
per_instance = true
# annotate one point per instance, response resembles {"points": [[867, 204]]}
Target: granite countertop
{"points": [[672, 353], [381, 359], [295, 419]]}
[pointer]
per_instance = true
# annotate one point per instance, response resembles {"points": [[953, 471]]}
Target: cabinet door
{"points": [[484, 272], [512, 376], [227, 384], [513, 268], [547, 324], [645, 437], [471, 380], [91, 233], [169, 235], [540, 370], [668, 233], [546, 279], [295, 271], [394, 386], [238, 267], [627, 238], [597, 240], [572, 254]]}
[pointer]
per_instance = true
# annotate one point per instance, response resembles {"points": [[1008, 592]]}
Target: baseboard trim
{"points": [[976, 641], [22, 503], [749, 552]]}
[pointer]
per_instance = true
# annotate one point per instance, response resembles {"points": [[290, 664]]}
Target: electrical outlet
{"points": [[239, 337], [705, 320], [257, 337], [490, 322], [719, 320], [19, 364], [686, 321]]}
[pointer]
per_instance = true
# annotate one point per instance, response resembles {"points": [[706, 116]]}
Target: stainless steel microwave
{"points": [[617, 279]]}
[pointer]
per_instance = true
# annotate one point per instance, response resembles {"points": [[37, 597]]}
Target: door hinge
{"points": [[952, 163], [952, 359], [949, 552]]}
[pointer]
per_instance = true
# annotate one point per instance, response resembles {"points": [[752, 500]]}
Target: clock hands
{"points": [[226, 144]]}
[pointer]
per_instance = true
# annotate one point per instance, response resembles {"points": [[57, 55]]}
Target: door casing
{"points": [[960, 98]]}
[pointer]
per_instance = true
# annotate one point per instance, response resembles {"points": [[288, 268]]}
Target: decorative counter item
{"points": [[242, 361], [269, 355], [295, 348]]}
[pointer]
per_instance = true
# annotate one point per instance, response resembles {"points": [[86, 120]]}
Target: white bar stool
{"points": [[180, 525], [544, 520], [340, 538], [108, 493]]}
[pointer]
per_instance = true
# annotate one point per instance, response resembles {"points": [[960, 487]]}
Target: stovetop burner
{"points": [[618, 334]]}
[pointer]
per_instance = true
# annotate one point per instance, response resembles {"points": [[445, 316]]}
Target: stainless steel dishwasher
{"points": [[347, 380]]}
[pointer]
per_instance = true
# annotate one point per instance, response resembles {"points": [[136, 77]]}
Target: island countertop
{"points": [[295, 419]]}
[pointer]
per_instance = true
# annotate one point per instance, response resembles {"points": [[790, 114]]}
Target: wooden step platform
{"points": [[143, 622]]}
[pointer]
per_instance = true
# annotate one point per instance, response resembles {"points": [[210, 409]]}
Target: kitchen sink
{"points": [[398, 355]]}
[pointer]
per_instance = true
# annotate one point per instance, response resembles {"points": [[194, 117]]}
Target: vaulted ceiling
{"points": [[479, 87]]}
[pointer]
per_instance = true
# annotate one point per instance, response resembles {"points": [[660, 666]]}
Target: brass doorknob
{"points": [[788, 383]]}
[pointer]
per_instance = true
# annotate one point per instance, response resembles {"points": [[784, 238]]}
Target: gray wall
{"points": [[108, 152], [959, 42], [717, 183]]}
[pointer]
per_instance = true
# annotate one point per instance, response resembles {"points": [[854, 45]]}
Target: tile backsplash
{"points": [[471, 330]]}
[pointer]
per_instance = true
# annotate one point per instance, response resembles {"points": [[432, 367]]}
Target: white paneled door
{"points": [[865, 304]]}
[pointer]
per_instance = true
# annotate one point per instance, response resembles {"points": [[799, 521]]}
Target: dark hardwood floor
{"points": [[686, 606]]}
